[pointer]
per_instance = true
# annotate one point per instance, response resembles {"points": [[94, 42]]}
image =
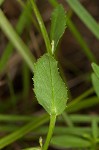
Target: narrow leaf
{"points": [[20, 46], [21, 24], [95, 128], [69, 141], [85, 16], [19, 133], [95, 82], [49, 88], [58, 25], [96, 69]]}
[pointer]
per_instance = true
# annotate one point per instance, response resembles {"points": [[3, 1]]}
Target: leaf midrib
{"points": [[53, 102]]}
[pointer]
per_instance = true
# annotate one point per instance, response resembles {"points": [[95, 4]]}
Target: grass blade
{"points": [[57, 29], [84, 15], [23, 131], [95, 132], [15, 118], [84, 104], [95, 82], [22, 22], [77, 118], [16, 40], [95, 68], [81, 41]]}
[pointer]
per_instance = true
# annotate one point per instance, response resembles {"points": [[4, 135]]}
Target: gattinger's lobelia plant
{"points": [[49, 88]]}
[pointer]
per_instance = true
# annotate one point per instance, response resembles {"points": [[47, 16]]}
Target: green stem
{"points": [[42, 27], [50, 131]]}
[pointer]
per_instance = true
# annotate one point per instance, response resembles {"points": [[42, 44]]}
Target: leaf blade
{"points": [[49, 88], [95, 69], [57, 29], [95, 82], [85, 16]]}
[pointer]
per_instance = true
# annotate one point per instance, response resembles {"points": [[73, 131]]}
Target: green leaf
{"points": [[21, 24], [69, 141], [85, 16], [95, 82], [95, 128], [96, 69], [49, 88], [20, 46], [58, 25]]}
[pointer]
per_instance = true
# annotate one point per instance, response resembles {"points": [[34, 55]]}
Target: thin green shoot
{"points": [[50, 131], [42, 27]]}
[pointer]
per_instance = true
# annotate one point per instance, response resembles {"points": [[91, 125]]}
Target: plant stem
{"points": [[42, 27], [50, 131]]}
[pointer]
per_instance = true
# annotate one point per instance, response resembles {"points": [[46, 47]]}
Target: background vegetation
{"points": [[22, 119]]}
